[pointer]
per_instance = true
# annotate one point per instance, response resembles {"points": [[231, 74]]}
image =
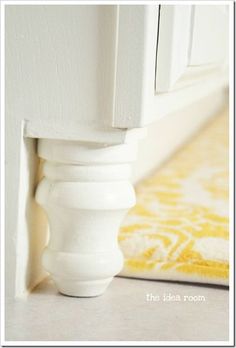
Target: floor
{"points": [[130, 310]]}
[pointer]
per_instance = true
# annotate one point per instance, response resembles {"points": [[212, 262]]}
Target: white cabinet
{"points": [[75, 72], [79, 80], [179, 55]]}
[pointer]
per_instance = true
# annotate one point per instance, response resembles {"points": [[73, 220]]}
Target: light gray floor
{"points": [[121, 314]]}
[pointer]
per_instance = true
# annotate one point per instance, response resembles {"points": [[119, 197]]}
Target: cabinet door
{"points": [[168, 56], [189, 36], [174, 34], [209, 41]]}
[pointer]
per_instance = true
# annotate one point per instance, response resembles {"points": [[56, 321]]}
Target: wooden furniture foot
{"points": [[86, 193]]}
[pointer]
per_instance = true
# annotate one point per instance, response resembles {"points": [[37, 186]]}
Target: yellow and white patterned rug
{"points": [[178, 229]]}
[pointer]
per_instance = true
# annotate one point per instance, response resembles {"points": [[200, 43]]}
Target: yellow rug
{"points": [[179, 228]]}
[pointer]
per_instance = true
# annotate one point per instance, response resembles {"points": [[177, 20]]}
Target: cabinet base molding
{"points": [[86, 193]]}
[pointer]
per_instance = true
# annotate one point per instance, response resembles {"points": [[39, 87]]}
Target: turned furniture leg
{"points": [[86, 193]]}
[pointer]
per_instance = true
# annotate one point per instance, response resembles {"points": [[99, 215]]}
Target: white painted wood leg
{"points": [[86, 193]]}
